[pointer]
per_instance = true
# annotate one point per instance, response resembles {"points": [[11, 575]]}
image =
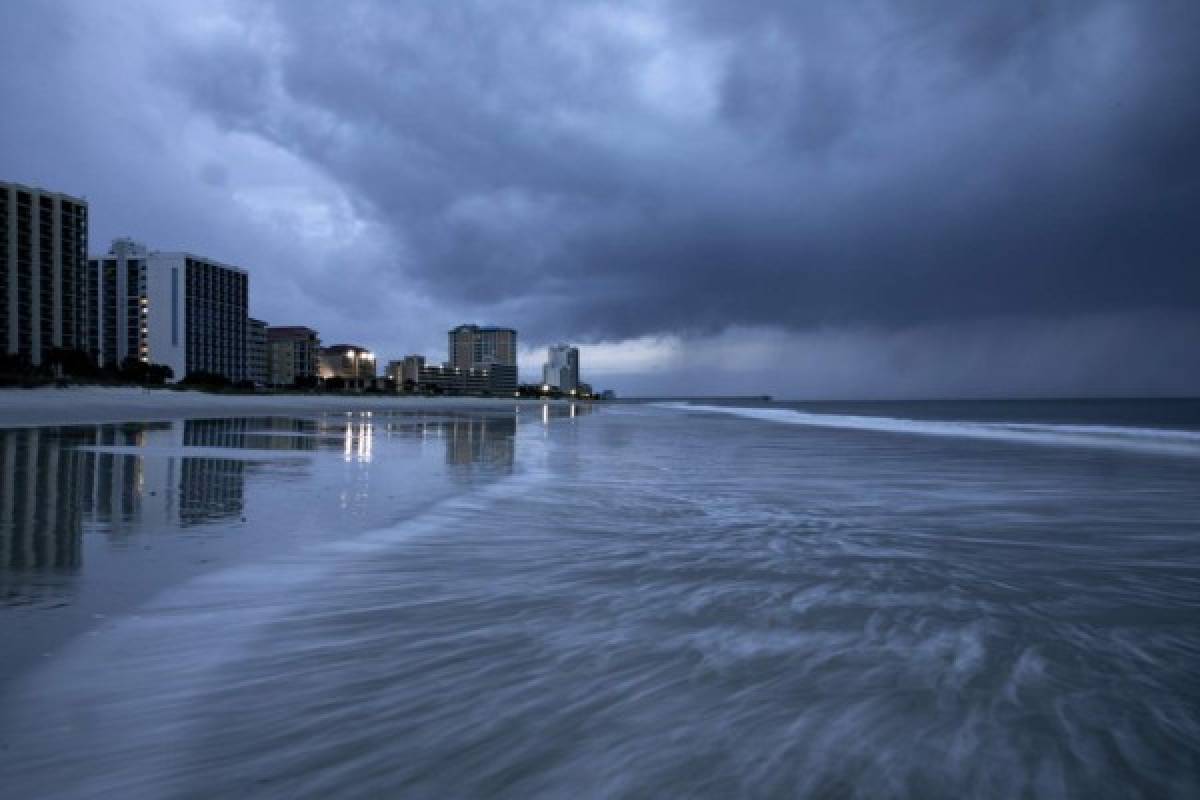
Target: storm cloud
{"points": [[828, 179]]}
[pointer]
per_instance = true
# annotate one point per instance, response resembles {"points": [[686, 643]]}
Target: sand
{"points": [[86, 405]]}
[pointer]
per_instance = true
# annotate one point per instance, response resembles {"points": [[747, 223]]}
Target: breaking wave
{"points": [[1159, 441]]}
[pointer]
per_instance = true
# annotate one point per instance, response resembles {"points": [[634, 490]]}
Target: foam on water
{"points": [[1156, 441]]}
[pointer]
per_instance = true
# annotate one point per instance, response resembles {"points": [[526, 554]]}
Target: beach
{"points": [[21, 407], [297, 597]]}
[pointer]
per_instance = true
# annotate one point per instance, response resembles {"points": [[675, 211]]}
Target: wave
{"points": [[1158, 441]]}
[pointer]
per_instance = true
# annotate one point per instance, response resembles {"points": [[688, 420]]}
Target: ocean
{"points": [[872, 600]]}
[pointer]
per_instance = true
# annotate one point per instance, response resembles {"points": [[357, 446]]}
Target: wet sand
{"points": [[637, 602], [128, 493], [83, 405]]}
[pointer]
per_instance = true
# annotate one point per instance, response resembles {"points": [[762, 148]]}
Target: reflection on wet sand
{"points": [[58, 482], [55, 483], [486, 441], [39, 482]]}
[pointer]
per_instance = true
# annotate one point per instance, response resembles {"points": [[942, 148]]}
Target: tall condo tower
{"points": [[561, 370], [176, 309], [490, 349], [43, 253], [473, 347]]}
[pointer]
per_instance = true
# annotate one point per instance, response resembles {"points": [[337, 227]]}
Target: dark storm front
{"points": [[661, 603]]}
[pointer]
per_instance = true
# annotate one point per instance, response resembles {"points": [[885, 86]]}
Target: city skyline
{"points": [[928, 201], [181, 311]]}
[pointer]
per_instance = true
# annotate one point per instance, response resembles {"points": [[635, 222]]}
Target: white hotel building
{"points": [[177, 309]]}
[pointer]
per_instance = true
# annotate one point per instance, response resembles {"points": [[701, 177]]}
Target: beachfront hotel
{"points": [[561, 370], [490, 351], [348, 362], [293, 355], [177, 309], [413, 373], [43, 250]]}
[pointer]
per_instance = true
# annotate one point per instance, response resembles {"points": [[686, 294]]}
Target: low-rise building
{"points": [[353, 365], [406, 372], [497, 379]]}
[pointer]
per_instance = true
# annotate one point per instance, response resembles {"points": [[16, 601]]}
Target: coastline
{"points": [[135, 545], [21, 408]]}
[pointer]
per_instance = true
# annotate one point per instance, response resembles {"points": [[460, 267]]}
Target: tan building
{"points": [[353, 364], [490, 349], [473, 347], [293, 355]]}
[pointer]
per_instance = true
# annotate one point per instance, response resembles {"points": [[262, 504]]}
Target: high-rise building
{"points": [[217, 298], [119, 324], [43, 252], [471, 347], [293, 355], [176, 309], [256, 351], [561, 370]]}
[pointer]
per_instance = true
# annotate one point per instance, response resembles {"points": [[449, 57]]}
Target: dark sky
{"points": [[810, 199]]}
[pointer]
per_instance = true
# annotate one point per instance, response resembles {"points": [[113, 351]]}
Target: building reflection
{"points": [[57, 482], [117, 487], [214, 488], [484, 441], [283, 433], [552, 412], [211, 489], [359, 439], [39, 481], [470, 440]]}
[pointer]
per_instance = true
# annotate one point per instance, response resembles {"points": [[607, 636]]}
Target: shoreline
{"points": [[91, 540], [86, 405]]}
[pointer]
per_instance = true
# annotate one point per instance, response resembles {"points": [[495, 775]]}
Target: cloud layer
{"points": [[697, 172]]}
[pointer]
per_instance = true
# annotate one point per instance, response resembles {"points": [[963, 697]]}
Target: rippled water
{"points": [[658, 602]]}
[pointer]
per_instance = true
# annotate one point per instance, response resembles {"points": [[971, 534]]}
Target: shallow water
{"points": [[640, 602]]}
